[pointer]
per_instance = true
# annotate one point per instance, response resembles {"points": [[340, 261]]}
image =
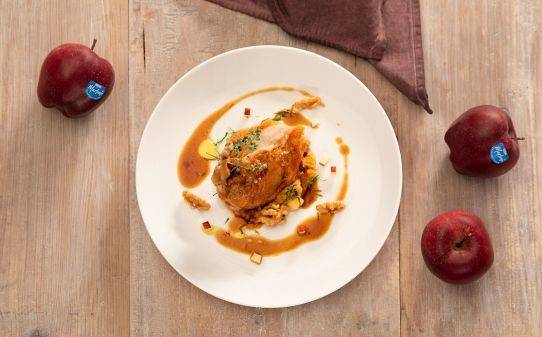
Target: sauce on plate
{"points": [[192, 169], [315, 226], [293, 119]]}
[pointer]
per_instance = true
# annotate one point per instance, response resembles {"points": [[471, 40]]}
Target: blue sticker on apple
{"points": [[95, 91], [498, 153]]}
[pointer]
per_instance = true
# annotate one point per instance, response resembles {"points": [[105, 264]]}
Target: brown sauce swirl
{"points": [[192, 169], [315, 226]]}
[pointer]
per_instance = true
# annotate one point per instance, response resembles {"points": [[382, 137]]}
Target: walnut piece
{"points": [[273, 214], [330, 207], [195, 201], [307, 103]]}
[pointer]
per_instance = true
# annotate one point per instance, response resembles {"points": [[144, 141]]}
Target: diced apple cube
{"points": [[302, 230], [323, 160], [256, 258], [295, 203]]}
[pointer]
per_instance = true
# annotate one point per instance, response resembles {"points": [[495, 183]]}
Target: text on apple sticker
{"points": [[95, 91], [498, 153]]}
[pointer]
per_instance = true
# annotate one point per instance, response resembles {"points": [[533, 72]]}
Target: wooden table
{"points": [[76, 260]]}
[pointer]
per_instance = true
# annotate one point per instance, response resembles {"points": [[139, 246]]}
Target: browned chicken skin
{"points": [[258, 163]]}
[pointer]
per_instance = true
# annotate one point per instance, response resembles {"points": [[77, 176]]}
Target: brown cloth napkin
{"points": [[385, 32]]}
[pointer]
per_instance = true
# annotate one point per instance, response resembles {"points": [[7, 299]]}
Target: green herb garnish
{"points": [[228, 134], [312, 181], [251, 140], [279, 115], [291, 193], [310, 186]]}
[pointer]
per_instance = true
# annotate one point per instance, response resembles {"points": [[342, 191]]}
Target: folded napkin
{"points": [[385, 32]]}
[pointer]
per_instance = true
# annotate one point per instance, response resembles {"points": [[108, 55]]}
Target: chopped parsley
{"points": [[238, 165], [251, 140]]}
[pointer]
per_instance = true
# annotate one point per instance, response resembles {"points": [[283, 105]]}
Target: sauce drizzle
{"points": [[191, 167], [316, 226], [293, 119]]}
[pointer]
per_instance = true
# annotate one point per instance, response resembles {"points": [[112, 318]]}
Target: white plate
{"points": [[316, 268]]}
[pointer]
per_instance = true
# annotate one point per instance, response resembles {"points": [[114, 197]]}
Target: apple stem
{"points": [[93, 44], [518, 138], [460, 243]]}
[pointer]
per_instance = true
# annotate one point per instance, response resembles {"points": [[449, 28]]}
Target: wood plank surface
{"points": [[76, 260], [476, 52], [64, 254]]}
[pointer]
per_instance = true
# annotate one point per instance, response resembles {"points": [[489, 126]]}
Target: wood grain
{"points": [[476, 52], [76, 260], [64, 262]]}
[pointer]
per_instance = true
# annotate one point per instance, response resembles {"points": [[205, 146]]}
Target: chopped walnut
{"points": [[307, 103], [272, 215], [330, 207], [195, 201]]}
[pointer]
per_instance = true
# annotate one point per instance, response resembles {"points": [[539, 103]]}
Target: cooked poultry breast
{"points": [[258, 163]]}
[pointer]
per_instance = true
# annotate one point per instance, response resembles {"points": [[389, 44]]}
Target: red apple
{"points": [[456, 247], [483, 142], [75, 80]]}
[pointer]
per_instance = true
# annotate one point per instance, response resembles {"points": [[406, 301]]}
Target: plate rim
{"points": [[397, 154]]}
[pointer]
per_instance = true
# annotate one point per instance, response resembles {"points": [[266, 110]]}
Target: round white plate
{"points": [[317, 268]]}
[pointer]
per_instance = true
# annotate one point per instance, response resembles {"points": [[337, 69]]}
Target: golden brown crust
{"points": [[265, 197], [308, 170], [249, 177]]}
